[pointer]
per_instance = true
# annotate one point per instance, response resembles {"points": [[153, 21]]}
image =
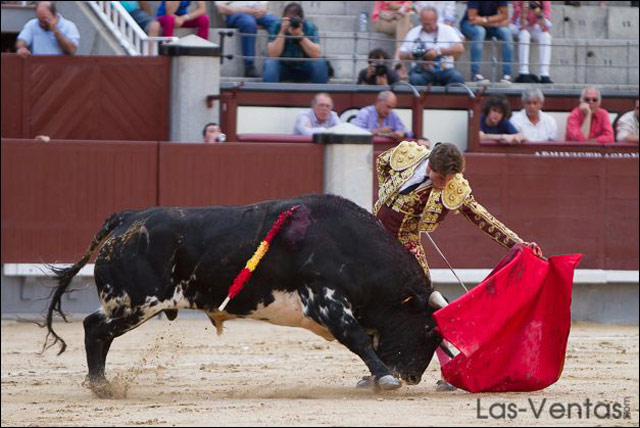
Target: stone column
{"points": [[195, 73], [348, 163]]}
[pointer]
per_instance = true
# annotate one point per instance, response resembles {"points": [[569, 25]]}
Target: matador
{"points": [[418, 188]]}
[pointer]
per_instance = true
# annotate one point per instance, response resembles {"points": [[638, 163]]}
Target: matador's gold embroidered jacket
{"points": [[423, 209]]}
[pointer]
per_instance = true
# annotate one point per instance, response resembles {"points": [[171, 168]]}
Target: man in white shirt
{"points": [[434, 46], [627, 127], [531, 121], [318, 118]]}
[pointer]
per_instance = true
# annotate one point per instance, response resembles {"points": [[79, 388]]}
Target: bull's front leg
{"points": [[331, 309]]}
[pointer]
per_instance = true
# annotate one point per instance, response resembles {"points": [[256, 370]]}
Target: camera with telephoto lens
{"points": [[381, 69], [295, 22], [419, 49]]}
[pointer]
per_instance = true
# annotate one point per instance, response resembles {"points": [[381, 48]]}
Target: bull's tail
{"points": [[64, 276]]}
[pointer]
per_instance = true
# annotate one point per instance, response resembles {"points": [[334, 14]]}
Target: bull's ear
{"points": [[414, 301]]}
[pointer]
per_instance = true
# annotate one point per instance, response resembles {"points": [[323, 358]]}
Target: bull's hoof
{"points": [[367, 382], [101, 388], [443, 385], [388, 383]]}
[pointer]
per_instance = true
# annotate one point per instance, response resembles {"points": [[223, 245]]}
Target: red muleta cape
{"points": [[511, 329]]}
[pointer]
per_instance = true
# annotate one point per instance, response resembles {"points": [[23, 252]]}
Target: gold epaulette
{"points": [[407, 154], [455, 192]]}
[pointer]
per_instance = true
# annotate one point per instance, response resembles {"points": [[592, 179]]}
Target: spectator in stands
{"points": [[531, 121], [211, 133], [318, 118], [446, 12], [495, 124], [532, 20], [484, 20], [627, 127], [173, 14], [379, 71], [589, 122], [295, 37], [380, 119], [48, 34], [394, 19], [141, 12], [434, 46], [246, 16]]}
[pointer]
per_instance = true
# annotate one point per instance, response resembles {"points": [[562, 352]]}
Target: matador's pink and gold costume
{"points": [[406, 214]]}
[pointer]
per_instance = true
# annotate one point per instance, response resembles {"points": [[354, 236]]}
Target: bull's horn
{"points": [[436, 301]]}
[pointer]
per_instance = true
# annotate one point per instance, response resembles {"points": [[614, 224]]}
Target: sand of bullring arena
{"points": [[181, 373]]}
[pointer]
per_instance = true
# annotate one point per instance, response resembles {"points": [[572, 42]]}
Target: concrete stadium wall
{"points": [[25, 296]]}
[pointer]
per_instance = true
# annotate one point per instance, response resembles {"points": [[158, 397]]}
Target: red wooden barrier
{"points": [[85, 97], [56, 195], [232, 174]]}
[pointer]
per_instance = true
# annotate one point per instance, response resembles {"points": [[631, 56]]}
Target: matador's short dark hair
{"points": [[445, 159]]}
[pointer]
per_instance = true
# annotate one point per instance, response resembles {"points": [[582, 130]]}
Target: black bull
{"points": [[333, 269]]}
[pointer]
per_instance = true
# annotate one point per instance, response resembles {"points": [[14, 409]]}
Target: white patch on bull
{"points": [[151, 306], [287, 310], [110, 302], [328, 294], [309, 293]]}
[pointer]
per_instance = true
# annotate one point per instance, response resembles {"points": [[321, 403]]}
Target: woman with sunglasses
{"points": [[589, 122]]}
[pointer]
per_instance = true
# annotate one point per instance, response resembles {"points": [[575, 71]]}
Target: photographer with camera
{"points": [[295, 37], [433, 46], [378, 71], [532, 20]]}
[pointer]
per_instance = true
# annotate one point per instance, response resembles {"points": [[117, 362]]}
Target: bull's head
{"points": [[408, 343]]}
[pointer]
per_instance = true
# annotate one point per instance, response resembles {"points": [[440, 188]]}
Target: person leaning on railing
{"points": [[176, 14], [294, 37], [589, 122], [495, 124], [380, 119], [318, 118], [627, 126], [531, 121], [48, 34]]}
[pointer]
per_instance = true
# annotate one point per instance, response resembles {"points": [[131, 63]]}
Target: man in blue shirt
{"points": [[495, 124], [318, 118], [294, 38], [380, 119], [48, 34], [484, 20]]}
